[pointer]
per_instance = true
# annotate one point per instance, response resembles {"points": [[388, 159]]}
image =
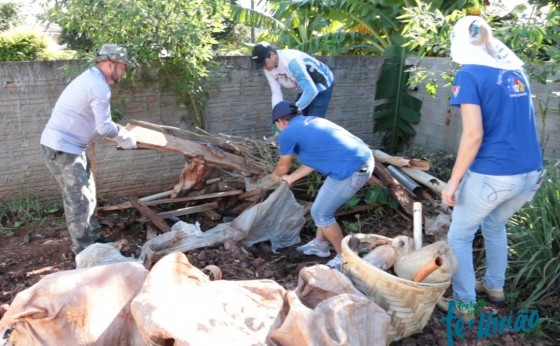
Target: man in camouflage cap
{"points": [[113, 52], [81, 113]]}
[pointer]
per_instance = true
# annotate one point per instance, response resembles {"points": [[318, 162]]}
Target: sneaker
{"points": [[312, 248], [443, 304], [495, 295], [335, 263]]}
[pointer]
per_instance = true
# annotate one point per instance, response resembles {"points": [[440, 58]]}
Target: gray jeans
{"points": [[73, 174]]}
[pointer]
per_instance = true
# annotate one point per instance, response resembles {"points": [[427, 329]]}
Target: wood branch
{"points": [[400, 161], [172, 200], [188, 210], [150, 214], [395, 188], [146, 138], [425, 179]]}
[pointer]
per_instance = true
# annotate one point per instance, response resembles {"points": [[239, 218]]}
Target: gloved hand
{"points": [[294, 108], [125, 139]]}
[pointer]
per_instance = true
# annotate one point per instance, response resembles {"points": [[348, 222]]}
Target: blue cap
{"points": [[281, 109]]}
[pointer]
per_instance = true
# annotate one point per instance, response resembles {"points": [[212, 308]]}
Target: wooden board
{"points": [[172, 200], [188, 210], [146, 138], [150, 214], [398, 161]]}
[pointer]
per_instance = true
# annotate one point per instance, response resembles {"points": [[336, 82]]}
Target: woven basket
{"points": [[409, 304]]}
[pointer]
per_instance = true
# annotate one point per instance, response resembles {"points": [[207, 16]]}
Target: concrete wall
{"points": [[239, 104]]}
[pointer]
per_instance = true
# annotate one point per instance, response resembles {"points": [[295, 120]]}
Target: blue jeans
{"points": [[488, 201], [334, 193], [318, 107]]}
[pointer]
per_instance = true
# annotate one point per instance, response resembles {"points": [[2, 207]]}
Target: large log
{"points": [[398, 161], [151, 139]]}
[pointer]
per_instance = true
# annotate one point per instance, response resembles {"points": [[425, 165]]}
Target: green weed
{"points": [[353, 226], [25, 211], [534, 240]]}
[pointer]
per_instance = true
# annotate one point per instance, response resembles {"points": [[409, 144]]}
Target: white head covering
{"points": [[465, 51]]}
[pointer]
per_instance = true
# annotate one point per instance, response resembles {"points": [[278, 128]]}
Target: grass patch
{"points": [[25, 212], [534, 239]]}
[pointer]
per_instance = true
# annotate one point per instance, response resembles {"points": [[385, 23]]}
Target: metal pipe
{"points": [[406, 181]]}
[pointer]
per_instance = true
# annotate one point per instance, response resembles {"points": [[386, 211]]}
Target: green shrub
{"points": [[534, 241], [21, 46], [57, 55]]}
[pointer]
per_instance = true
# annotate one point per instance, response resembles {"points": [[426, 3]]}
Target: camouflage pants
{"points": [[73, 174]]}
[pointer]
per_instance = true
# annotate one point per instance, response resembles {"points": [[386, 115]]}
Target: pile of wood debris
{"points": [[224, 175]]}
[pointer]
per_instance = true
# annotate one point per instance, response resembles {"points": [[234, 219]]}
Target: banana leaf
{"points": [[398, 110]]}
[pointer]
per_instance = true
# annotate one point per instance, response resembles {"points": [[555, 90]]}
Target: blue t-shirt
{"points": [[510, 143], [324, 146]]}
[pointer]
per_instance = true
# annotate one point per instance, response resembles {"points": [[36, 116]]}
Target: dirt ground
{"points": [[30, 253]]}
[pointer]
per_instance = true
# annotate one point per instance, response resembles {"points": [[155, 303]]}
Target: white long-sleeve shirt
{"points": [[301, 72], [82, 112]]}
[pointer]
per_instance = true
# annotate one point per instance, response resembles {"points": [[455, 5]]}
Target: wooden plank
{"points": [[188, 210], [172, 200], [212, 215], [252, 193], [150, 214], [398, 161], [146, 138]]}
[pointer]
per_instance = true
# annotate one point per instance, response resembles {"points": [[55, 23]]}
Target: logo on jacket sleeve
{"points": [[518, 86], [455, 90]]}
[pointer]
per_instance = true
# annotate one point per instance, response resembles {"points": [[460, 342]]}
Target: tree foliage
{"points": [[8, 15], [174, 37], [532, 33], [21, 46]]}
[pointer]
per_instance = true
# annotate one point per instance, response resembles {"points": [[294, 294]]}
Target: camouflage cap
{"points": [[113, 52]]}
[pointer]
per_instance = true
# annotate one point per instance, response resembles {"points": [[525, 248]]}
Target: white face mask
{"points": [[466, 51]]}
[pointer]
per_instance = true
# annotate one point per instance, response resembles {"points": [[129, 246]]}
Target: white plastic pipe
{"points": [[156, 196], [417, 226]]}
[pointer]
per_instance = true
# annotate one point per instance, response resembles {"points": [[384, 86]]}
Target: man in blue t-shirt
{"points": [[322, 146]]}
